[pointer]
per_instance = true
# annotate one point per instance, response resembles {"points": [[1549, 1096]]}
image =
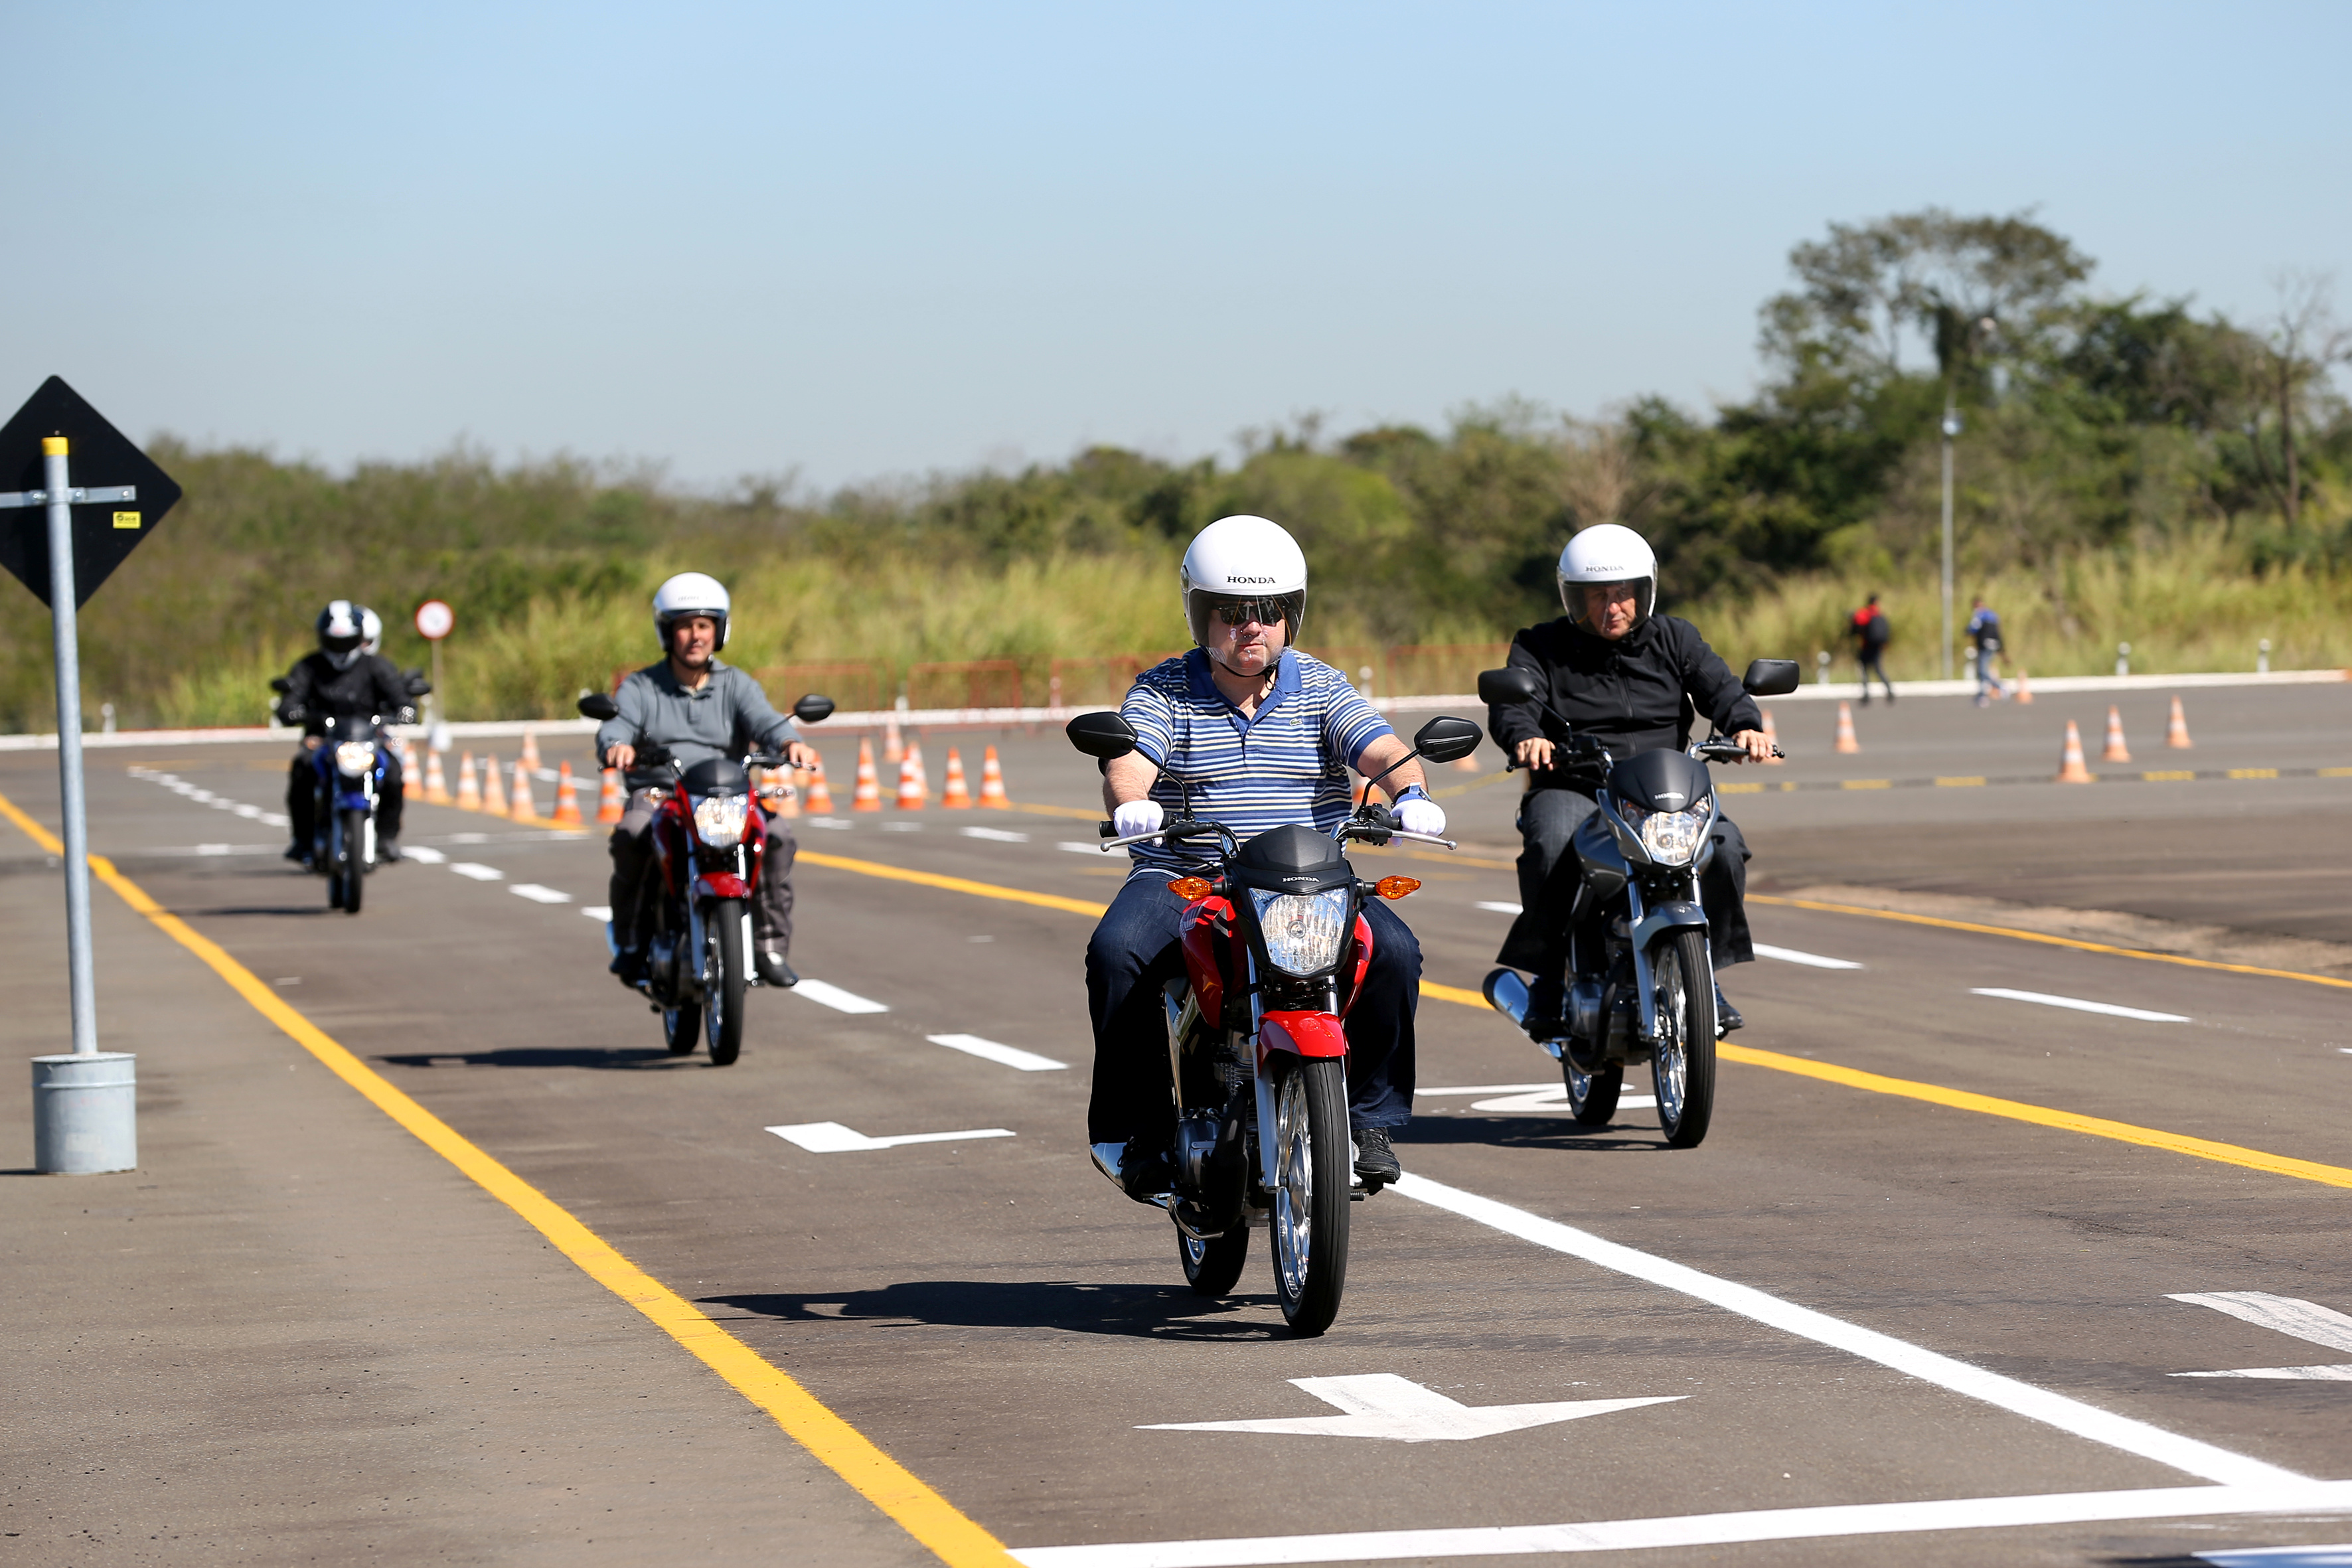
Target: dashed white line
{"points": [[423, 855], [1810, 959], [2077, 1005], [994, 834], [479, 873], [835, 998], [539, 895], [1010, 1055], [1498, 907], [597, 911], [833, 1138]]}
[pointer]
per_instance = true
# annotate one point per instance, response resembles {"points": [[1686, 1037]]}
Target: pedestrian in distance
{"points": [[1984, 641], [1871, 633]]}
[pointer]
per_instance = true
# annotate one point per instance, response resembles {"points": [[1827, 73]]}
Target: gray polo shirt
{"points": [[729, 716]]}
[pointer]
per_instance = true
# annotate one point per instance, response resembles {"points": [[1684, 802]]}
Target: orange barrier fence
{"points": [[965, 683], [1440, 669], [855, 687]]}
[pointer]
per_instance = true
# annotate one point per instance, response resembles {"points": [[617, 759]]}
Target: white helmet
{"points": [[1244, 558], [342, 633], [1609, 553], [687, 595], [371, 631]]}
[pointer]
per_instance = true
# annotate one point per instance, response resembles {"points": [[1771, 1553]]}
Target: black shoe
{"points": [[629, 963], [773, 970], [1142, 1171], [1726, 1017], [387, 851], [1546, 1015], [300, 855], [1376, 1161]]}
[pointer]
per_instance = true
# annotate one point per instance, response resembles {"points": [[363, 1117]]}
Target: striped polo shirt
{"points": [[1288, 762]]}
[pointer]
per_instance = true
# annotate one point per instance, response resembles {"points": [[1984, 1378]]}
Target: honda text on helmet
{"points": [[685, 597], [1243, 569], [343, 633], [1607, 554]]}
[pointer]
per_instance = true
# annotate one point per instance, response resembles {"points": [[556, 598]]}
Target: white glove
{"points": [[1418, 816], [1138, 817]]}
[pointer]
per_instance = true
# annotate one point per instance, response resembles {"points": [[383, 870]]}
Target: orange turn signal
{"points": [[1199, 887], [1396, 886]]}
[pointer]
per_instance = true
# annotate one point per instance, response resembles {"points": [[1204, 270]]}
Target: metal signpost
{"points": [[84, 1104]]}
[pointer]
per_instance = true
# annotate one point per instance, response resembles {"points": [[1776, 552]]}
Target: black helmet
{"points": [[342, 630]]}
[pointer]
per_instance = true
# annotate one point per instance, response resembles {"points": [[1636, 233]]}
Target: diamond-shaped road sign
{"points": [[107, 525]]}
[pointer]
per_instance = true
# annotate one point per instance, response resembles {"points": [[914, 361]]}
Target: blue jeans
{"points": [[1134, 952]]}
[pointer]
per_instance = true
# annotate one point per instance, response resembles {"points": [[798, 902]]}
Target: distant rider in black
{"points": [[343, 679]]}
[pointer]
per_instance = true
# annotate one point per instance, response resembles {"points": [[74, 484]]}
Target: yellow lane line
{"points": [[1456, 994], [847, 1452], [952, 884], [2048, 940]]}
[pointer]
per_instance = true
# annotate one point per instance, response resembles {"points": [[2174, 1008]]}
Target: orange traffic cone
{"points": [[1772, 735], [955, 794], [437, 784], [2024, 692], [521, 807], [2117, 752], [914, 789], [469, 794], [992, 783], [820, 793], [567, 799], [613, 800], [494, 788], [2070, 765], [531, 751], [1845, 740], [868, 795], [2176, 734], [894, 746]]}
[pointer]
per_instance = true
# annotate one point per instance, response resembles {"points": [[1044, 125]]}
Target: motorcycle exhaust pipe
{"points": [[1507, 994]]}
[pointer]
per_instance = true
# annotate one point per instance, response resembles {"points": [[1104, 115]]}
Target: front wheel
{"points": [[1592, 1096], [723, 980], [1213, 1267], [1682, 1066], [1310, 1197]]}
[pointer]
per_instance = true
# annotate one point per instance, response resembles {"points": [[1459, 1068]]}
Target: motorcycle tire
{"points": [[1313, 1172], [1593, 1097], [354, 858], [1213, 1267], [725, 981], [1682, 1066], [682, 1028]]}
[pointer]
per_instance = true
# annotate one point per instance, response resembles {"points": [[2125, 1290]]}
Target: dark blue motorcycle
{"points": [[348, 769]]}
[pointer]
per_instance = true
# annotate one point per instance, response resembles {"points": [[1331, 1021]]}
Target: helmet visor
{"points": [[1275, 608], [333, 644]]}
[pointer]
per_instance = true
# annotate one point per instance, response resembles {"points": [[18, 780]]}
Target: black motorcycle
{"points": [[347, 772], [1641, 973]]}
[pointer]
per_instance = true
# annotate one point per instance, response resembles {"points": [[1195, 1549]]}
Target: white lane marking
{"points": [[833, 1138], [1011, 1056], [1503, 908], [274, 819], [1487, 1088], [1080, 847], [597, 911], [2077, 1005], [1383, 1404], [1554, 1097], [902, 828], [224, 848], [835, 998], [538, 895], [1810, 959], [1706, 1528], [469, 838], [994, 834], [247, 812], [2088, 1421], [2280, 1557], [478, 873], [838, 823], [2286, 1315], [424, 854]]}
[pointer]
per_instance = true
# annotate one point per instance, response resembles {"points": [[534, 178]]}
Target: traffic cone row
{"points": [[2071, 767], [567, 799], [913, 789], [469, 793], [2115, 751], [611, 800], [869, 782], [2175, 734], [1845, 740], [437, 784], [955, 794], [820, 793], [494, 788], [1772, 737], [992, 784]]}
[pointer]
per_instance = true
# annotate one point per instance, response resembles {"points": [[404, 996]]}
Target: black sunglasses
{"points": [[1241, 612]]}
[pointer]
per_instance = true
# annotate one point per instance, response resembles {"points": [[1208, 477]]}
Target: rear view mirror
{"points": [[1447, 740], [280, 685], [1501, 687], [416, 684], [1771, 678], [598, 706], [1102, 735], [812, 708]]}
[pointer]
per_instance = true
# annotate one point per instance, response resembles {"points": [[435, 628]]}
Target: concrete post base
{"points": [[85, 1113]]}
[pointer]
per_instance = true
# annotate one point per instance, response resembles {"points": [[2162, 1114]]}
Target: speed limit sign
{"points": [[435, 619]]}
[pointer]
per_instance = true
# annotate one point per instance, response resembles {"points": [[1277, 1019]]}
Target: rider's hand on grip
{"points": [[1138, 817], [1421, 816]]}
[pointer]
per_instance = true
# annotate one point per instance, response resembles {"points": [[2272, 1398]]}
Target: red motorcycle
{"points": [[709, 839], [1275, 948]]}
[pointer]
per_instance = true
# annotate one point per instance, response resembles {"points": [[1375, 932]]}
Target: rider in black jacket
{"points": [[1632, 681], [343, 679]]}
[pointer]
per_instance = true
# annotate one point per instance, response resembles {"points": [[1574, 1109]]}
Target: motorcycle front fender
{"points": [[720, 885], [1673, 915], [1309, 1034]]}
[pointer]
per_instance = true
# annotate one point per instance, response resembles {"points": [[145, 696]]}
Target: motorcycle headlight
{"points": [[1303, 931], [1671, 837], [719, 818], [354, 758]]}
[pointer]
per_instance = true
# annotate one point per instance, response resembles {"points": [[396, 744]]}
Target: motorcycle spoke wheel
{"points": [[1312, 1176], [1592, 1096], [724, 980], [1682, 1066], [1213, 1267], [354, 863]]}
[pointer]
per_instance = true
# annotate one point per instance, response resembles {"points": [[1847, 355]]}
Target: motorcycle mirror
{"points": [[1446, 740], [1498, 688], [417, 685], [812, 708], [1102, 735], [280, 685], [598, 706], [1769, 678]]}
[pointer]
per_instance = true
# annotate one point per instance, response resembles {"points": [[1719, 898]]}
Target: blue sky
{"points": [[876, 240]]}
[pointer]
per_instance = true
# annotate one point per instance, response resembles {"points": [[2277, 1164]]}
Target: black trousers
{"points": [[301, 796], [633, 856], [1548, 876], [1872, 664], [1134, 952]]}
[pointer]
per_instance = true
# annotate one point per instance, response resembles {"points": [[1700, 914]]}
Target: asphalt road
{"points": [[324, 1342]]}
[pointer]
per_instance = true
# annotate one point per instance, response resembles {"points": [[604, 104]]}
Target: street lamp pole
{"points": [[1951, 428]]}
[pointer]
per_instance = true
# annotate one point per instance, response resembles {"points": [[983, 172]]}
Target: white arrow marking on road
{"points": [[538, 895], [425, 854], [1502, 909], [2079, 1006], [833, 1138], [597, 911], [1383, 1404], [2286, 1315], [1810, 959], [479, 873], [2339, 1556], [1554, 1097], [835, 998], [1011, 1056], [996, 834]]}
